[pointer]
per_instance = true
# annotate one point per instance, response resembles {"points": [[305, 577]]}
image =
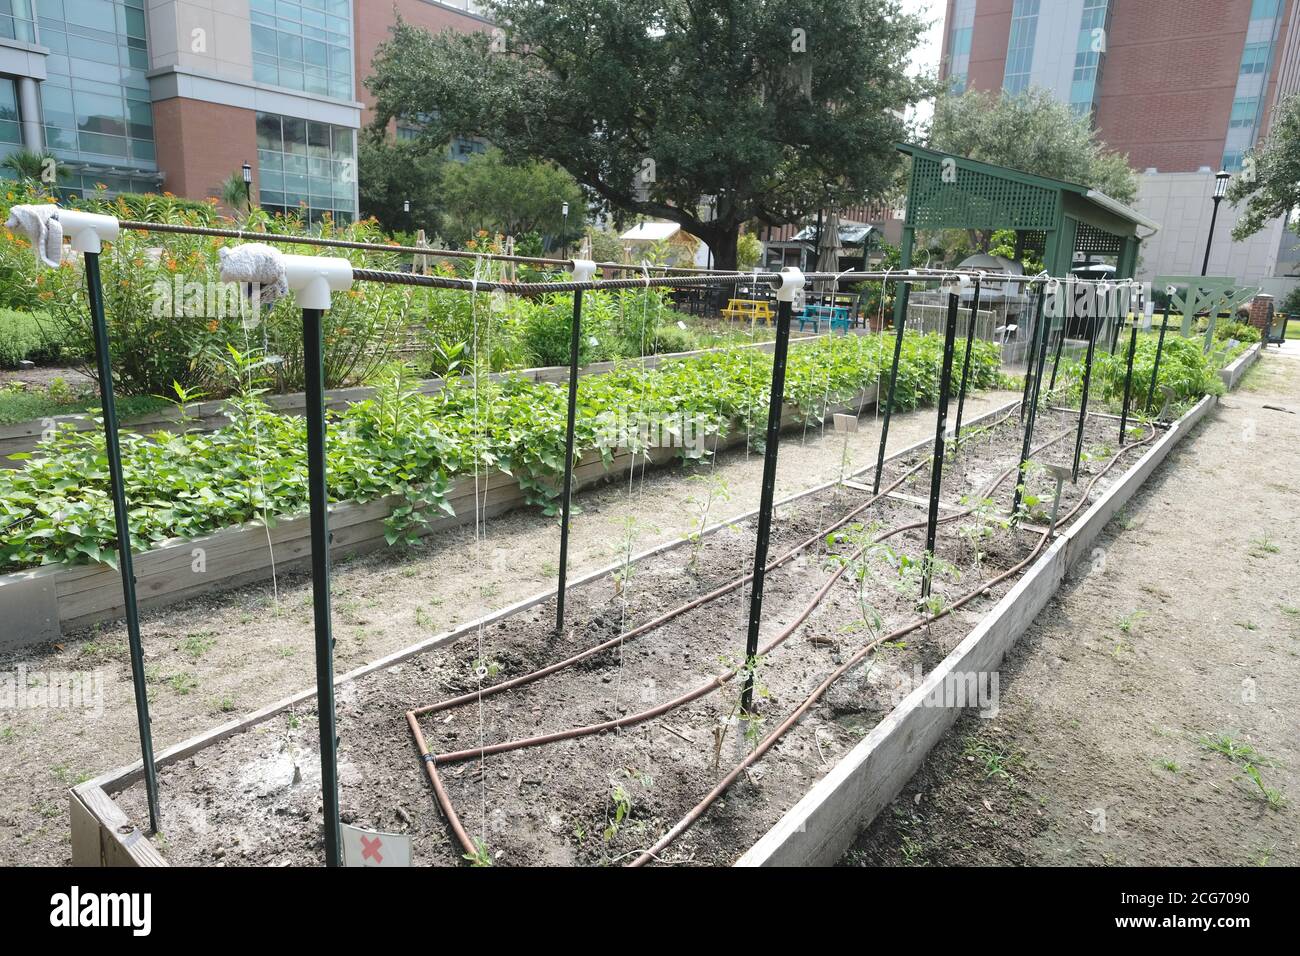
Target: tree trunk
{"points": [[723, 243]]}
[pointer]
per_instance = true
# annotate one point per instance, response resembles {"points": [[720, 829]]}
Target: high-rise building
{"points": [[1183, 87], [178, 94]]}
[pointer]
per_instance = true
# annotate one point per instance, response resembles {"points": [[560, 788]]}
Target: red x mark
{"points": [[370, 850]]}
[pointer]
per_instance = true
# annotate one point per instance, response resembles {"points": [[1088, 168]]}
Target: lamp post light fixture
{"points": [[564, 211], [1221, 180], [247, 170]]}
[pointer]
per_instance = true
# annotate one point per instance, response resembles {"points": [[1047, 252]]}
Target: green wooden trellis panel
{"points": [[1097, 242], [945, 194]]}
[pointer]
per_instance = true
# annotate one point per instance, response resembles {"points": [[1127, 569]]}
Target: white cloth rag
{"points": [[258, 265], [40, 223]]}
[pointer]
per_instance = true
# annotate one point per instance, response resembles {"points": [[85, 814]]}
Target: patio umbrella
{"points": [[828, 251]]}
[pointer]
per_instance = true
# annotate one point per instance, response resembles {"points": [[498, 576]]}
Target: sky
{"points": [[927, 55]]}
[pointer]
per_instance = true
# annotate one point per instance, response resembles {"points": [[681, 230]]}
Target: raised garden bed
{"points": [[235, 796], [205, 416], [44, 603]]}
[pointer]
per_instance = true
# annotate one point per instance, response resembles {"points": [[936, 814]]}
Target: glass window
{"points": [[303, 45], [95, 100], [306, 167]]}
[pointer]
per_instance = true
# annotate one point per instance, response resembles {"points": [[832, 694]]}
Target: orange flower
{"points": [[212, 325], [171, 264]]}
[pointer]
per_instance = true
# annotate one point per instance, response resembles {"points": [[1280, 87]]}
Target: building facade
{"points": [[1183, 87], [143, 95]]}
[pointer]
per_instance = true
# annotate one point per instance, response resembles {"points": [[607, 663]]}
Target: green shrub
{"points": [[170, 318], [1237, 330], [27, 335]]}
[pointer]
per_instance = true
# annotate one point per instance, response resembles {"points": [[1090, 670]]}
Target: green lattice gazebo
{"points": [[1049, 216]]}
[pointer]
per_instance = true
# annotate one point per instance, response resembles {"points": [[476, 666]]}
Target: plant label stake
{"points": [[1083, 403], [1160, 347], [88, 232], [583, 270], [791, 282], [372, 848], [940, 434], [900, 327], [1128, 384], [1040, 345], [965, 365], [313, 279], [1061, 474]]}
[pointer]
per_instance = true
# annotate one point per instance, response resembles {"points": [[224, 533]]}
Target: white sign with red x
{"points": [[370, 848]]}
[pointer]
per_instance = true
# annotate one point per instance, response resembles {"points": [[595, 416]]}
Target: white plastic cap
{"points": [[313, 279], [789, 285], [88, 231], [583, 270]]}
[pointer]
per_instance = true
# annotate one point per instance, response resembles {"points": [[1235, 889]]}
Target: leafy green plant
{"points": [[713, 490], [403, 443], [859, 561], [985, 520]]}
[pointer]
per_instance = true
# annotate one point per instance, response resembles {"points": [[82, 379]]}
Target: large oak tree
{"points": [[709, 113]]}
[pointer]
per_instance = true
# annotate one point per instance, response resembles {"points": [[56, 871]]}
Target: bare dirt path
{"points": [[211, 660], [1151, 714]]}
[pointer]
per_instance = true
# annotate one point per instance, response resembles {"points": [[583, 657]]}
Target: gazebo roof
{"points": [[954, 192]]}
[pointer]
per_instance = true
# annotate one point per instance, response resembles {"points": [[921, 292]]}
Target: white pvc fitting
{"points": [[955, 285], [313, 279], [88, 231], [583, 270], [789, 285]]}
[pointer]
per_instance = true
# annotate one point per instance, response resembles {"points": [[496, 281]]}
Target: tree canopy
{"points": [[1033, 132], [485, 192], [1269, 183], [704, 114], [392, 173]]}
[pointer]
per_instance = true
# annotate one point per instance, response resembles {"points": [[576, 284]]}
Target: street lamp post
{"points": [[564, 211], [248, 186], [1221, 180]]}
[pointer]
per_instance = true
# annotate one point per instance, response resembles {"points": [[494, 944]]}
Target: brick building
{"points": [[179, 94], [1183, 87]]}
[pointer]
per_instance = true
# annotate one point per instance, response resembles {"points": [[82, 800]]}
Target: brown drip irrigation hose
{"points": [[770, 740], [475, 695], [430, 761]]}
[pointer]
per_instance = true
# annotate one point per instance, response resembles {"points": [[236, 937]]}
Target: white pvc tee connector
{"points": [[88, 231], [313, 279], [789, 284], [583, 270]]}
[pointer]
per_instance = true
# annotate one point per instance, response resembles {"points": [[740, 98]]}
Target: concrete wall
{"points": [[1182, 204]]}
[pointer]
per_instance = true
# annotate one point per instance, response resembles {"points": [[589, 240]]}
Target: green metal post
{"points": [[122, 523], [318, 498]]}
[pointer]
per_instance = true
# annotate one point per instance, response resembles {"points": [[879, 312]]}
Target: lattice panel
{"points": [[944, 195], [1097, 242]]}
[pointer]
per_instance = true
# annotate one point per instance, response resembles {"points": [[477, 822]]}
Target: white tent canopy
{"points": [[651, 232]]}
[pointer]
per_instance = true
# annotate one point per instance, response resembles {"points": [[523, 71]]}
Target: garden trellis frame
{"points": [[313, 280]]}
